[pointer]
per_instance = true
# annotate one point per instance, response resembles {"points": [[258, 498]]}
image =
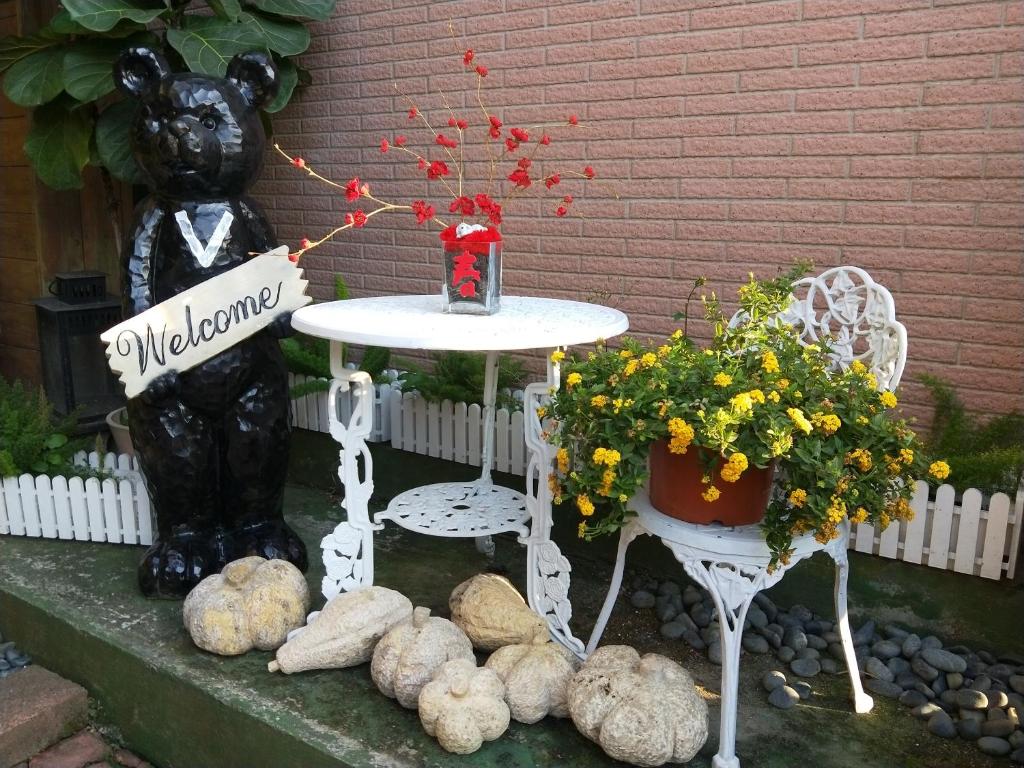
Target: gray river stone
{"points": [[1016, 682], [864, 635], [971, 699], [786, 654], [757, 617], [876, 669], [944, 660], [940, 724], [954, 680], [969, 730], [998, 699], [1000, 728], [772, 680], [885, 649], [898, 666], [805, 667], [912, 699], [668, 588], [992, 745], [882, 688], [672, 630], [755, 644], [829, 666], [925, 711], [923, 669], [803, 689], [783, 697], [911, 646], [931, 641], [795, 638]]}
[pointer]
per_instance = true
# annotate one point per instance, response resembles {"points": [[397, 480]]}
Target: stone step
{"points": [[37, 709]]}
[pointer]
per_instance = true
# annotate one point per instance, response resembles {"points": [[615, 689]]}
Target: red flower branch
{"points": [[522, 145]]}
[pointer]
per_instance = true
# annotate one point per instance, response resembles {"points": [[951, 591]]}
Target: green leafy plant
{"points": [[65, 69], [755, 396], [459, 377], [31, 438], [987, 455]]}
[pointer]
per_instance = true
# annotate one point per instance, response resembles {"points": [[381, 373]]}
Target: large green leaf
{"points": [[289, 38], [289, 78], [36, 79], [103, 15], [226, 9], [13, 48], [89, 68], [113, 140], [63, 24], [58, 143], [208, 44], [320, 10]]}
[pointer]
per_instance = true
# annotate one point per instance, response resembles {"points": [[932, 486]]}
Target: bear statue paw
{"points": [[273, 540], [172, 566]]}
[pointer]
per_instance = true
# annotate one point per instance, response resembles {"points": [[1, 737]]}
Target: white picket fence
{"points": [[116, 509], [447, 430], [964, 538]]}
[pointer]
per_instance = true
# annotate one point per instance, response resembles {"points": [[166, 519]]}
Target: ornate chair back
{"points": [[857, 317]]}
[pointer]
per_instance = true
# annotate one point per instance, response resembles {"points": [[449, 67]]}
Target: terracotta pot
{"points": [[676, 488]]}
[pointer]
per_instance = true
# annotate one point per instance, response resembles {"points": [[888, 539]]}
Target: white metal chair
{"points": [[857, 317]]}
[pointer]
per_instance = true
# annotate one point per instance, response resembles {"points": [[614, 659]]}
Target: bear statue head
{"points": [[198, 136]]}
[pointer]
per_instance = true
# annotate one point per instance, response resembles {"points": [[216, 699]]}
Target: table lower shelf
{"points": [[467, 509]]}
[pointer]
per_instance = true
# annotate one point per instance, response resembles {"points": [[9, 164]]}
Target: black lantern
{"points": [[75, 372]]}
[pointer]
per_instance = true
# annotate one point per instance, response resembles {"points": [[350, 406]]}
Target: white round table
{"points": [[731, 563], [474, 509]]}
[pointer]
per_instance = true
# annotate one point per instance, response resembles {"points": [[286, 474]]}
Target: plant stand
{"points": [[732, 564], [475, 509]]}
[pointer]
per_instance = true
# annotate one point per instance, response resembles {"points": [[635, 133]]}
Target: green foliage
{"points": [[986, 455], [459, 377], [31, 439], [65, 69]]}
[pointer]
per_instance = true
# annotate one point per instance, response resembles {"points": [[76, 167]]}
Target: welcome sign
{"points": [[190, 328]]}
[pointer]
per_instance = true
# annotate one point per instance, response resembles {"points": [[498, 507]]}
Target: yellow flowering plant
{"points": [[755, 396]]}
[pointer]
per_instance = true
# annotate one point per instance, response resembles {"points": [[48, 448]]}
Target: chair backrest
{"points": [[857, 317]]}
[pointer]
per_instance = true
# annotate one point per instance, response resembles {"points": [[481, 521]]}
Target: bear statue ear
{"points": [[255, 74], [139, 71]]}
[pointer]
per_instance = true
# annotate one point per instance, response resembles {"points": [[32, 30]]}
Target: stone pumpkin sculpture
{"points": [[536, 677], [463, 706], [407, 657], [645, 711], [492, 613], [344, 632], [252, 603], [213, 440]]}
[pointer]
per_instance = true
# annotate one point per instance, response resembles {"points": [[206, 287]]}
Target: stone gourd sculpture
{"points": [[252, 603], [345, 632], [463, 706], [492, 613], [641, 710], [536, 677], [213, 440], [407, 657]]}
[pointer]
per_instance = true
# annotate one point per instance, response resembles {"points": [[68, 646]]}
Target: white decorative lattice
{"points": [[857, 317], [549, 592], [846, 309], [346, 551], [459, 510]]}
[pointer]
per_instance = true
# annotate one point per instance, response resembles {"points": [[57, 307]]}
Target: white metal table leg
{"points": [[629, 532], [485, 544], [348, 549], [547, 575], [837, 549]]}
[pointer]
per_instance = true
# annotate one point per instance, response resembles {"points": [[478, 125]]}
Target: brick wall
{"points": [[740, 135]]}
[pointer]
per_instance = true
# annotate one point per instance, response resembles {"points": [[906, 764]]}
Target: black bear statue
{"points": [[212, 441]]}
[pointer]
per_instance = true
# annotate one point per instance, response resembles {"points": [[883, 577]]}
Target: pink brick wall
{"points": [[741, 135]]}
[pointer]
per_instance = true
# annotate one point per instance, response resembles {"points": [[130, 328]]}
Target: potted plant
{"points": [[117, 423], [709, 427]]}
